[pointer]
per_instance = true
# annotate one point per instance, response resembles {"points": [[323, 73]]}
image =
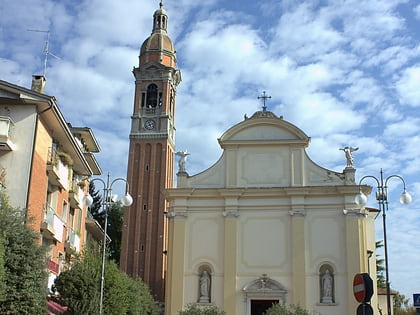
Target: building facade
{"points": [[151, 156], [266, 224], [45, 165]]}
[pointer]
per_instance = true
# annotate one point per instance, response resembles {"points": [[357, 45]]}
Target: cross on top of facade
{"points": [[264, 97]]}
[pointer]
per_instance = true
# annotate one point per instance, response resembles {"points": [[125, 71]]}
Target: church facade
{"points": [[265, 224]]}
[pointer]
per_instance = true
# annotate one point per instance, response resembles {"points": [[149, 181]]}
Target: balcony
{"points": [[58, 172], [94, 229], [47, 226], [6, 143], [76, 194], [72, 243], [52, 226]]}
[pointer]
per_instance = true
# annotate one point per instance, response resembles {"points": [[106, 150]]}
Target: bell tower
{"points": [[151, 158]]}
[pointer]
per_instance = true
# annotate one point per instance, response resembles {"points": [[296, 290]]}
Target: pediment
{"points": [[264, 130], [152, 70], [152, 67], [264, 286], [264, 283]]}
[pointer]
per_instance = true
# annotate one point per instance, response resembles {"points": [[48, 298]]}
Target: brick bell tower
{"points": [[151, 158]]}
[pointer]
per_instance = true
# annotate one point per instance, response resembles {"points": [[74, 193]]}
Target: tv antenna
{"points": [[46, 49]]}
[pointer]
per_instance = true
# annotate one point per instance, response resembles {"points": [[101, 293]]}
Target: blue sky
{"points": [[345, 72]]}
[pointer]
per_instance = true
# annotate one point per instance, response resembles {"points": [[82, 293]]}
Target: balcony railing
{"points": [[58, 172], [52, 227], [73, 241], [76, 194], [6, 142]]}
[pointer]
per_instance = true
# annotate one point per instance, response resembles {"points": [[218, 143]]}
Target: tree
{"points": [[79, 288], [2, 271], [401, 306], [380, 278], [116, 297], [115, 225], [141, 300], [22, 272], [115, 221], [408, 311], [194, 309], [285, 309], [96, 206], [400, 302]]}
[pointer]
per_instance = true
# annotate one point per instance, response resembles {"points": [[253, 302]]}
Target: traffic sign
{"points": [[364, 309], [416, 299], [362, 287]]}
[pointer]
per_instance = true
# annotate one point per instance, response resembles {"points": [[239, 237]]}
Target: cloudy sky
{"points": [[345, 72]]}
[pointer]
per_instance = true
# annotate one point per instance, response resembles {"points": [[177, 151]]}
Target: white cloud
{"points": [[417, 11], [408, 86], [111, 22], [304, 22], [394, 57], [363, 90], [402, 129]]}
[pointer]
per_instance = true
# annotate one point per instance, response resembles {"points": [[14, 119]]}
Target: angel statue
{"points": [[349, 156], [181, 163]]}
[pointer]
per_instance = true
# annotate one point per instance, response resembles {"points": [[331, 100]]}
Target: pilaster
{"points": [[229, 261], [298, 253], [176, 256], [356, 251]]}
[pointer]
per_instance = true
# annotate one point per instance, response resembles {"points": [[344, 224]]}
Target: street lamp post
{"points": [[108, 198], [382, 198]]}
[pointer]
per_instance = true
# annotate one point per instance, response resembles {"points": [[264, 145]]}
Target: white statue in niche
{"points": [[204, 283], [327, 287]]}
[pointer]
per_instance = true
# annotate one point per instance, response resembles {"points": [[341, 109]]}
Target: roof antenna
{"points": [[46, 49]]}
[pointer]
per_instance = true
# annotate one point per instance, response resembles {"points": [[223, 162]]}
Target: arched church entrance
{"points": [[262, 293], [258, 307]]}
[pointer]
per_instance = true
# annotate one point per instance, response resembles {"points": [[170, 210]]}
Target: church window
{"points": [[160, 99], [142, 248], [145, 207], [171, 101], [147, 167], [152, 96], [143, 99]]}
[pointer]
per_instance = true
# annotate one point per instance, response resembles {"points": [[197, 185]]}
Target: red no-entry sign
{"points": [[362, 287]]}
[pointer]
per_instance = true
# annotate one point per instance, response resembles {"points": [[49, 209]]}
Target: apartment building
{"points": [[45, 166]]}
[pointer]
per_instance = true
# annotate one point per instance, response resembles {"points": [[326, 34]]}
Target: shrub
{"points": [[197, 309]]}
